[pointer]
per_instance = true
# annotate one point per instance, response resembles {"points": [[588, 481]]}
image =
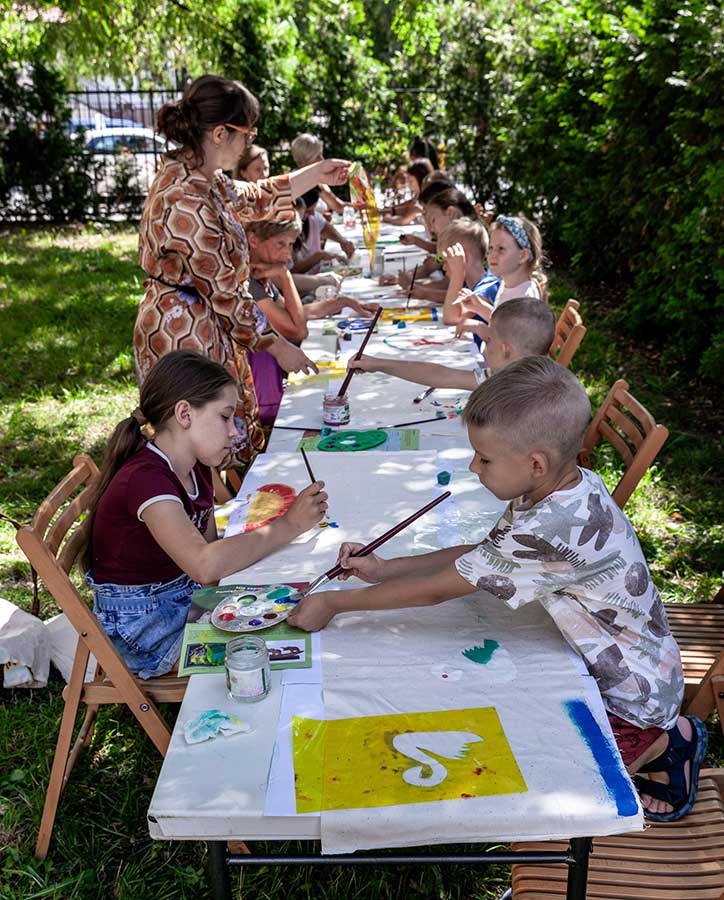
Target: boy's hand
{"points": [[363, 364], [367, 568], [308, 508], [454, 257], [472, 326], [472, 304], [313, 612], [348, 248]]}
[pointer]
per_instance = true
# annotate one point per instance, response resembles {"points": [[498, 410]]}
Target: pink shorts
{"points": [[632, 742]]}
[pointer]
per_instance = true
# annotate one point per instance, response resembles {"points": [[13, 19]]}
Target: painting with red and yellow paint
{"points": [[363, 200]]}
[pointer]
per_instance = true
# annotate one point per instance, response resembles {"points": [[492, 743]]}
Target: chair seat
{"points": [[164, 689], [668, 861], [699, 632]]}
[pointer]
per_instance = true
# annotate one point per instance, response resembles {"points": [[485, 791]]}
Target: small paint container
{"points": [[248, 677], [335, 410]]}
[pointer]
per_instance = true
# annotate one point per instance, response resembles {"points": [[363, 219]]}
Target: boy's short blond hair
{"points": [[465, 231], [527, 324], [306, 148], [269, 228], [533, 404]]}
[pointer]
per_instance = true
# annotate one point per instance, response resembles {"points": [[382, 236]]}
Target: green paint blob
{"points": [[482, 654], [278, 593]]}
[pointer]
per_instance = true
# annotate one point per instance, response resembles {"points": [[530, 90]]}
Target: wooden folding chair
{"points": [[668, 861], [699, 632], [632, 432], [51, 544], [569, 334]]}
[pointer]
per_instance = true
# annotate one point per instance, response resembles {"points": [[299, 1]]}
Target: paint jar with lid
{"points": [[335, 410], [248, 677]]}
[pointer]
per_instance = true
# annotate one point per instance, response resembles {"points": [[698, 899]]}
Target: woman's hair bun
{"points": [[177, 122]]}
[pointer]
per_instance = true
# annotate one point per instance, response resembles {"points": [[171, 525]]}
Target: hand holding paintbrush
{"points": [[412, 285], [348, 377]]}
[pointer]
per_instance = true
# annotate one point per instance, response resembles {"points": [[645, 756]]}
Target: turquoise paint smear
{"points": [[610, 764], [278, 593], [482, 654]]}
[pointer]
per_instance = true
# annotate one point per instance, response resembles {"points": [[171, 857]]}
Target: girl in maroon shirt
{"points": [[151, 533]]}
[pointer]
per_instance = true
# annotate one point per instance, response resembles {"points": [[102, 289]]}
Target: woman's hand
{"points": [[308, 508], [331, 278], [332, 171], [291, 358], [313, 612], [368, 568], [261, 270]]}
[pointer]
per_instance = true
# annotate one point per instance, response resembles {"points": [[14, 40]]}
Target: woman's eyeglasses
{"points": [[249, 133]]}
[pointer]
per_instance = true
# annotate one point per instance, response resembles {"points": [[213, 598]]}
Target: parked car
{"points": [[126, 159]]}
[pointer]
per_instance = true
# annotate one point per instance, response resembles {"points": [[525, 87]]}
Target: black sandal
{"points": [[672, 761]]}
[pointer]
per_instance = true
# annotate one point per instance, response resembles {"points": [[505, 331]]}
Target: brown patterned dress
{"points": [[192, 237]]}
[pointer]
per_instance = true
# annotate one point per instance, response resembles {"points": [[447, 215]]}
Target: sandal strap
{"points": [[679, 751], [675, 794]]}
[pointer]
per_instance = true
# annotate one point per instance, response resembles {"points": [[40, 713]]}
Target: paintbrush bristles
{"points": [[358, 355]]}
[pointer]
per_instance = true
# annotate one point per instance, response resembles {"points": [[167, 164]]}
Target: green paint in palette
{"points": [[482, 654], [279, 593]]}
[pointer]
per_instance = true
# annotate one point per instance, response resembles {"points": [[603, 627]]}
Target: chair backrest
{"points": [[569, 334], [633, 433]]}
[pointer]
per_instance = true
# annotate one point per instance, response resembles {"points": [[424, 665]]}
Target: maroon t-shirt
{"points": [[124, 550]]}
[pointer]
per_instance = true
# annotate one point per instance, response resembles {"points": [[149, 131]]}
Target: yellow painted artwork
{"points": [[363, 200], [399, 759]]}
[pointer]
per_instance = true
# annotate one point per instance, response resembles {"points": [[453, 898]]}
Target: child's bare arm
{"points": [[425, 589], [430, 374], [455, 268]]}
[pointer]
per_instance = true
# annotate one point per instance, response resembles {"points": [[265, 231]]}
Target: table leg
{"points": [[219, 877], [580, 849]]}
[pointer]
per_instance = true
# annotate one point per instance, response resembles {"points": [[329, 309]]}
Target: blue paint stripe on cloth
{"points": [[607, 757]]}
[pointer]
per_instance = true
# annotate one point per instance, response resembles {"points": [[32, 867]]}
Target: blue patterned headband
{"points": [[517, 231]]}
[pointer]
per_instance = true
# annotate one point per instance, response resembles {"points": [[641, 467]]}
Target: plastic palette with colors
{"points": [[254, 607]]}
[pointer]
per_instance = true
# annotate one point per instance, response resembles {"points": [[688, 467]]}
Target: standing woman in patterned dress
{"points": [[193, 247]]}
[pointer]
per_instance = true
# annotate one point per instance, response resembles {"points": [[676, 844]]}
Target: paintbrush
{"points": [[412, 285], [348, 376], [420, 421], [424, 395], [306, 463], [296, 428], [373, 545]]}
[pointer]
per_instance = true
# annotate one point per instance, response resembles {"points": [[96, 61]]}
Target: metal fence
{"points": [[117, 128]]}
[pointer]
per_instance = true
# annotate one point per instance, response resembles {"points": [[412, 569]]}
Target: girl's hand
{"points": [[308, 508], [291, 358], [407, 239], [313, 612], [368, 568], [454, 257], [332, 171], [348, 248], [364, 364]]}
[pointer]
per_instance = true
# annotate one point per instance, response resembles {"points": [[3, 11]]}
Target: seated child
{"points": [[433, 183], [150, 529], [521, 327], [463, 246], [307, 149], [315, 230], [515, 256], [409, 210], [253, 164], [562, 542]]}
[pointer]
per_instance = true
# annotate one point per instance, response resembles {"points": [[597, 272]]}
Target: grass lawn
{"points": [[68, 301]]}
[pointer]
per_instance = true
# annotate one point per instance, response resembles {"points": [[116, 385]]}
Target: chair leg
{"points": [[61, 759], [81, 742]]}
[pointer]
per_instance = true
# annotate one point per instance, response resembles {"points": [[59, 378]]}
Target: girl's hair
{"points": [[306, 147], [437, 177], [425, 149], [269, 228], [180, 375], [468, 231], [450, 196], [207, 102], [527, 236], [419, 170], [252, 152]]}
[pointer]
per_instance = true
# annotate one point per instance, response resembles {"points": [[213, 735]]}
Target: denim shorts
{"points": [[145, 622]]}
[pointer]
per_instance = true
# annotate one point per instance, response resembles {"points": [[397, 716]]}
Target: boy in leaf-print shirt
{"points": [[563, 542]]}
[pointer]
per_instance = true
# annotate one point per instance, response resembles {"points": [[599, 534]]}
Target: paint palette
{"points": [[254, 608]]}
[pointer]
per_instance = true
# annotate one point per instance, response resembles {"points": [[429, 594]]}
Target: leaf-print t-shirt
{"points": [[577, 554]]}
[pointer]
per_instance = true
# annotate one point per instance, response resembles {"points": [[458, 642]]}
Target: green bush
{"points": [[44, 174]]}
